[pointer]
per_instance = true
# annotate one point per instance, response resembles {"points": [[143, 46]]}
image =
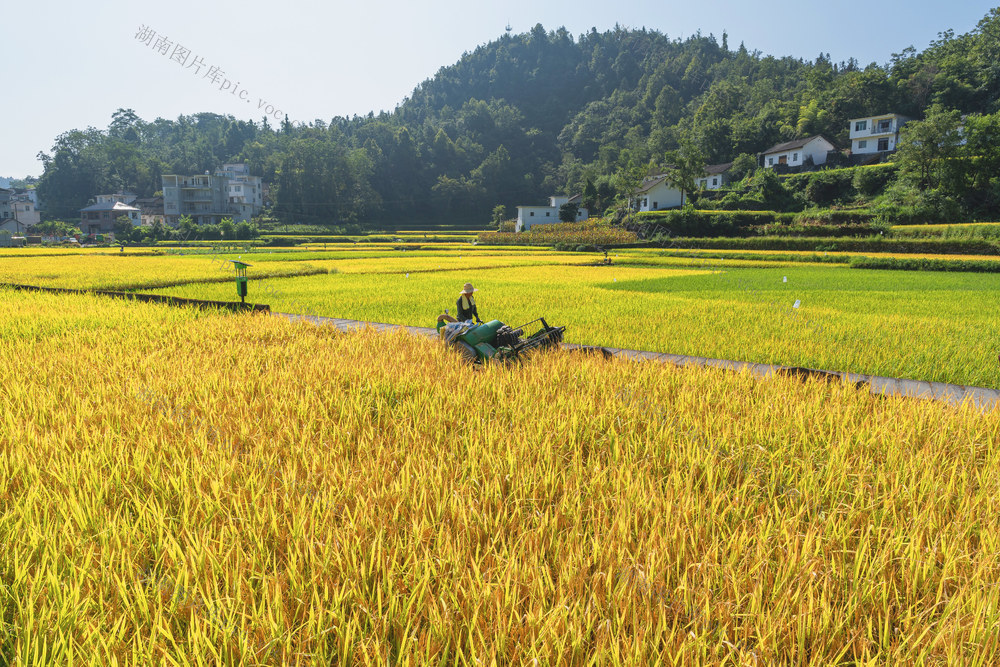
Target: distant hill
{"points": [[529, 115]]}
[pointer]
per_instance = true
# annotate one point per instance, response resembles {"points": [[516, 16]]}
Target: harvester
{"points": [[495, 340]]}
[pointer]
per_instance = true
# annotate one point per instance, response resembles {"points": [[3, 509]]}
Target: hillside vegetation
{"points": [[528, 115]]}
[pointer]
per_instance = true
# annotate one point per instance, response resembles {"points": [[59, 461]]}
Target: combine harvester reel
{"points": [[495, 340]]}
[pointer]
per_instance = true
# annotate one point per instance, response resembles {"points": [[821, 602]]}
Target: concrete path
{"points": [[980, 397]]}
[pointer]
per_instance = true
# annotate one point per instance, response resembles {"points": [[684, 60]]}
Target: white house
{"points": [[656, 193], [798, 152], [123, 197], [529, 216], [875, 134], [716, 176], [24, 208]]}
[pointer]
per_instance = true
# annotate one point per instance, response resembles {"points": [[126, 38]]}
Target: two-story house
{"points": [[876, 134], [24, 207], [100, 218]]}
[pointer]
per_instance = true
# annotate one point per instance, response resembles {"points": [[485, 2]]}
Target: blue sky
{"points": [[70, 64]]}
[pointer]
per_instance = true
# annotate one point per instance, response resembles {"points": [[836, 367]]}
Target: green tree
{"points": [[926, 147], [157, 231], [186, 227], [246, 230], [54, 228], [499, 215], [123, 228], [626, 183], [744, 165], [812, 119], [568, 212], [686, 165], [590, 195], [227, 229]]}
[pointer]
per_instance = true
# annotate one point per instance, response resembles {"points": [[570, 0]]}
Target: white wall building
{"points": [[876, 134], [529, 216], [656, 194], [231, 193], [716, 176], [797, 153], [126, 198], [244, 192], [24, 208]]}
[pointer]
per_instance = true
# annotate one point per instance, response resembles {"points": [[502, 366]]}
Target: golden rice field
{"points": [[917, 325], [648, 254], [184, 487], [132, 271]]}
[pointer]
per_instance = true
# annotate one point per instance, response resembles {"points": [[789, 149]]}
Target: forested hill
{"points": [[530, 115]]}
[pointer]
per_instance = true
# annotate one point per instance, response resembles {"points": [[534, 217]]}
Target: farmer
{"points": [[467, 304]]}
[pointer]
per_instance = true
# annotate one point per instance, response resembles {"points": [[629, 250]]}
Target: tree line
{"points": [[529, 115]]}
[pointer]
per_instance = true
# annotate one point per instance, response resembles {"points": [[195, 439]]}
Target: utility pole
{"points": [[17, 223]]}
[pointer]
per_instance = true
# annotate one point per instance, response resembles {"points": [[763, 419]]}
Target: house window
{"points": [[770, 161], [861, 125], [863, 144], [715, 181], [532, 214], [883, 144], [656, 205], [795, 157], [884, 125], [548, 213]]}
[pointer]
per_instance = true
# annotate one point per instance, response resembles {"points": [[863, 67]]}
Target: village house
{"points": [[208, 199], [875, 134], [811, 150], [24, 207], [100, 218], [657, 193], [716, 176], [150, 210], [5, 210], [529, 216]]}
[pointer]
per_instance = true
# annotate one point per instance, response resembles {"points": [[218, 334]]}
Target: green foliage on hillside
{"points": [[534, 114]]}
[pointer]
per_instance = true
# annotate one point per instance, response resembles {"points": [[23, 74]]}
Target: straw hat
{"points": [[468, 289]]}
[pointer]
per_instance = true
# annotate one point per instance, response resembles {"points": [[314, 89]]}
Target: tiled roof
{"points": [[718, 168], [109, 206], [791, 145], [651, 183]]}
